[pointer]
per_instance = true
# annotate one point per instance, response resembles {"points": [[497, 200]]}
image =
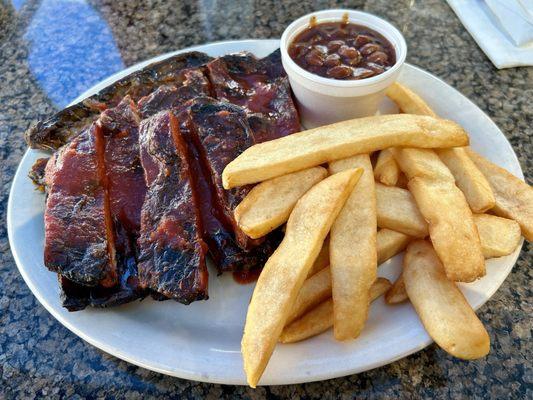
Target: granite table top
{"points": [[52, 50]]}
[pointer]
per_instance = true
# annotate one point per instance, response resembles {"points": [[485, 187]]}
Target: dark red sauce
{"points": [[342, 50], [247, 276]]}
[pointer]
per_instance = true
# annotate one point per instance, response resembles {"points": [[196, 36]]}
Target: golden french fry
{"points": [[320, 318], [269, 204], [442, 308], [468, 178], [451, 224], [389, 243], [499, 236], [352, 251], [396, 293], [322, 260], [285, 271], [317, 287], [514, 197], [316, 321], [408, 101], [397, 210], [422, 163], [337, 141], [386, 170], [314, 291]]}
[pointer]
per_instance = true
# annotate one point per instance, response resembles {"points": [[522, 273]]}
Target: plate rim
{"points": [[186, 374]]}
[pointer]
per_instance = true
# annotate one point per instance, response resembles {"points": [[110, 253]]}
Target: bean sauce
{"points": [[342, 50]]}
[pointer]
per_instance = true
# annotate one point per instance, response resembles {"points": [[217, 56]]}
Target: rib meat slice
{"points": [[217, 230], [58, 129], [171, 250], [169, 97], [79, 240], [261, 87], [126, 190], [220, 132]]}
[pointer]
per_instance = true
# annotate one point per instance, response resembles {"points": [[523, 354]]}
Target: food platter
{"points": [[202, 341]]}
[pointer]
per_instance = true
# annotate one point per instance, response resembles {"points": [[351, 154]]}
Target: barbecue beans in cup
{"points": [[342, 50]]}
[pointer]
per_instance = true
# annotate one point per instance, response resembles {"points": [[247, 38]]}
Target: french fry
{"points": [[514, 197], [285, 271], [352, 251], [408, 101], [396, 293], [315, 287], [499, 236], [269, 204], [314, 291], [322, 260], [397, 210], [320, 318], [468, 178], [389, 243], [422, 163], [451, 224], [337, 141], [442, 308], [386, 170]]}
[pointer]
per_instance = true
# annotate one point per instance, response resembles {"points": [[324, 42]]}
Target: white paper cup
{"points": [[323, 101]]}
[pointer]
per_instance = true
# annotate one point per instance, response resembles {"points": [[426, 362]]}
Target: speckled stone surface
{"points": [[38, 74]]}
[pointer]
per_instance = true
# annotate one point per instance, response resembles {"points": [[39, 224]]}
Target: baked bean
{"points": [[334, 45], [378, 69], [332, 60], [378, 57], [361, 40], [348, 52], [321, 48], [361, 73], [340, 72], [356, 60], [370, 48], [314, 57]]}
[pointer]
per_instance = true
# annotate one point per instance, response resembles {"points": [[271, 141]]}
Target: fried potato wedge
{"points": [[451, 224], [442, 308], [396, 293], [514, 197], [269, 204], [352, 251], [422, 163], [314, 147], [386, 170], [389, 243], [317, 287], [397, 210], [285, 271], [499, 236], [408, 101], [468, 178], [320, 318], [314, 291]]}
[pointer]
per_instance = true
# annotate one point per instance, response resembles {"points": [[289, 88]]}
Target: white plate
{"points": [[202, 341]]}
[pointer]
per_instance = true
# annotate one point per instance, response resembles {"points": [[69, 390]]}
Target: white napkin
{"points": [[502, 28]]}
